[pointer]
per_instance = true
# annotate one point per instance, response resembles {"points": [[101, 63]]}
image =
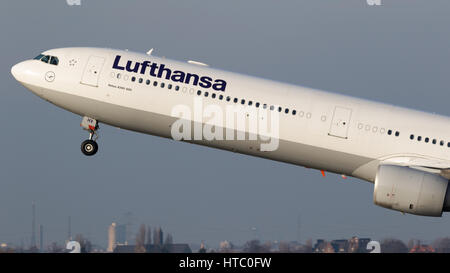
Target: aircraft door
{"points": [[92, 71], [341, 122]]}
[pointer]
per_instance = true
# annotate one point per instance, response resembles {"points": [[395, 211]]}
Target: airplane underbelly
{"points": [[160, 125]]}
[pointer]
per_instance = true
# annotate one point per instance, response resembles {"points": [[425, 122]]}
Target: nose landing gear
{"points": [[89, 147]]}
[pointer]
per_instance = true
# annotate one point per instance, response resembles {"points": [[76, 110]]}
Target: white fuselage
{"points": [[327, 131]]}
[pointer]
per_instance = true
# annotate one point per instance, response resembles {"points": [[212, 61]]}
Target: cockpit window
{"points": [[54, 60], [38, 57], [45, 59]]}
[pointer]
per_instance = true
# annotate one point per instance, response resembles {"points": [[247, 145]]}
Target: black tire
{"points": [[89, 147]]}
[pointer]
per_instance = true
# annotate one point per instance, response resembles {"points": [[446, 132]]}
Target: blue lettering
{"points": [[162, 71], [116, 63]]}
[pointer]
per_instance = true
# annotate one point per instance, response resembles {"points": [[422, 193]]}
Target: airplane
{"points": [[405, 153]]}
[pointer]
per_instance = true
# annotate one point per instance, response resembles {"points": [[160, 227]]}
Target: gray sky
{"points": [[397, 53]]}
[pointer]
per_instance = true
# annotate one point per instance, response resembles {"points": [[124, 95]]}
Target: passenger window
{"points": [[45, 59], [242, 101], [411, 136], [397, 133], [427, 139], [434, 141], [286, 110], [206, 94], [220, 97], [419, 138], [213, 95], [442, 143], [235, 100], [294, 112], [54, 60], [140, 80], [147, 82], [177, 88], [257, 105]]}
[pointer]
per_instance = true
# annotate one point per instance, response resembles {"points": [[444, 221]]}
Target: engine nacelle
{"points": [[411, 191]]}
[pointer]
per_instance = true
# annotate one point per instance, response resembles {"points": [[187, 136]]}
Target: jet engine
{"points": [[411, 191]]}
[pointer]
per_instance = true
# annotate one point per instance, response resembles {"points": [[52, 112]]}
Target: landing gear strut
{"points": [[90, 147]]}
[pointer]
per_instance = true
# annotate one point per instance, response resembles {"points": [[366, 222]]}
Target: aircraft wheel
{"points": [[89, 147]]}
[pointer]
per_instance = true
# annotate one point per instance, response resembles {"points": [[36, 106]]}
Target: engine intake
{"points": [[411, 191]]}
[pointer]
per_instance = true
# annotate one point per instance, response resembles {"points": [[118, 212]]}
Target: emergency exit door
{"points": [[340, 122], [92, 71]]}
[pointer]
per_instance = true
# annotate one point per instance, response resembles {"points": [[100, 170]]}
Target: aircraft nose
{"points": [[18, 70], [24, 71]]}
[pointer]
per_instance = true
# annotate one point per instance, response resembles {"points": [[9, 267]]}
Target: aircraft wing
{"points": [[436, 166]]}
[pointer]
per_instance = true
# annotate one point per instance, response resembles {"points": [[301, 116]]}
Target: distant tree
{"points": [[284, 247], [6, 250], [34, 249], [226, 247], [392, 245], [85, 244], [267, 246], [140, 240], [202, 248], [442, 245], [302, 249], [328, 248], [254, 246], [55, 248], [308, 246]]}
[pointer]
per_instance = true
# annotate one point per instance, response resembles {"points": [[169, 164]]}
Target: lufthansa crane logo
{"points": [[50, 76]]}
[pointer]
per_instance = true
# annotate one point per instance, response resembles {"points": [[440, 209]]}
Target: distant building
{"points": [[111, 237], [158, 236], [353, 245], [340, 246], [358, 245], [41, 238], [422, 249], [121, 235], [323, 246], [152, 248]]}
